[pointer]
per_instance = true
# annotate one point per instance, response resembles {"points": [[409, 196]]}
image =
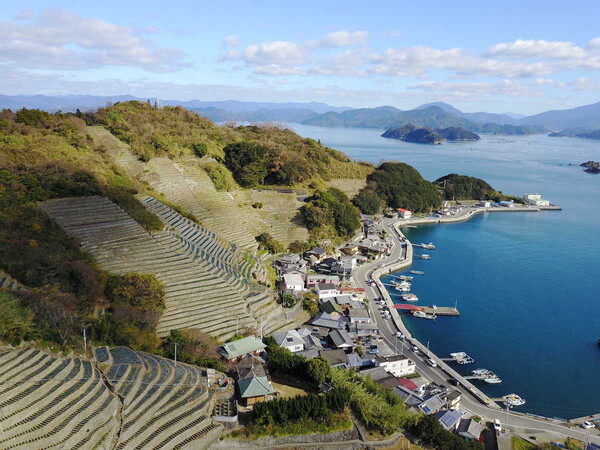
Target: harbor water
{"points": [[527, 284]]}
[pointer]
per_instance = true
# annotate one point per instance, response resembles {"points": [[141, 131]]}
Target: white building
{"points": [[404, 213], [485, 204], [397, 365], [326, 290], [535, 200], [293, 282]]}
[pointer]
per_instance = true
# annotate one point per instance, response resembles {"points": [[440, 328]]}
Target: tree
{"points": [[401, 186], [17, 321], [368, 201], [269, 243], [331, 208], [247, 162], [317, 369], [139, 290]]}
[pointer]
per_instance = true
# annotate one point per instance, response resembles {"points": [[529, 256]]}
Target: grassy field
{"points": [[349, 186], [286, 391]]}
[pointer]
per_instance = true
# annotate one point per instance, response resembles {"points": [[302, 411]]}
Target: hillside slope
{"points": [[117, 399]]}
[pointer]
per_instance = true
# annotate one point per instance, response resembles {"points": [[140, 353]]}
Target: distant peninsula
{"points": [[577, 132], [424, 135], [591, 166]]}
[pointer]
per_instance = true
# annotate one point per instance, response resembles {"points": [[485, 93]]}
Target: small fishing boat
{"points": [[424, 256], [405, 278], [458, 355], [493, 380], [479, 371], [409, 297], [513, 400], [417, 272], [429, 246], [423, 315], [412, 227], [466, 360]]}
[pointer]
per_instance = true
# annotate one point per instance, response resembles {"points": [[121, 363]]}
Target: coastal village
{"points": [[344, 329]]}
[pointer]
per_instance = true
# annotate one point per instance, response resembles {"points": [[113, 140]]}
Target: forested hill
{"points": [[279, 156]]}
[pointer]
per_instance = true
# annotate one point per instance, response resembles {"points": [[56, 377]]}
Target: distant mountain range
{"points": [[438, 115], [432, 115], [70, 103]]}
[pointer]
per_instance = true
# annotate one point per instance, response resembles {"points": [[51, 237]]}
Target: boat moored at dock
{"points": [[409, 297], [511, 400], [423, 315], [417, 272]]}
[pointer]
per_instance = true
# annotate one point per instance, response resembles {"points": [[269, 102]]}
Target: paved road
{"points": [[516, 422]]}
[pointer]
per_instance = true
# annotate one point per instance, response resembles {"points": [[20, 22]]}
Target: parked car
{"points": [[399, 334], [587, 425], [497, 426], [431, 362]]}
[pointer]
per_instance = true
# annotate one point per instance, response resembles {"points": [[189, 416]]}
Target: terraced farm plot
{"points": [[230, 214], [197, 293], [122, 399], [47, 401], [204, 277], [349, 186]]}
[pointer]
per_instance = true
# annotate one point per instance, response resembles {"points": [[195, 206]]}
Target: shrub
{"points": [[368, 201], [269, 243], [142, 291], [17, 321], [331, 208]]}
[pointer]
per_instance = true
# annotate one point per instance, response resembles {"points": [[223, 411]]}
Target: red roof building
{"points": [[405, 382]]}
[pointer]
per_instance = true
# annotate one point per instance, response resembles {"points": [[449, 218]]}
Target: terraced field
{"points": [[230, 214], [349, 186], [121, 399], [205, 278]]}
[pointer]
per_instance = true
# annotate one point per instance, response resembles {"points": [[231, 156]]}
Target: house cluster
{"points": [[373, 242], [302, 273]]}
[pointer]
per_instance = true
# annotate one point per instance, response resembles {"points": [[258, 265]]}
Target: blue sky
{"points": [[518, 56]]}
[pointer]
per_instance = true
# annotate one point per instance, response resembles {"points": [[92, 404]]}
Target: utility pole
{"points": [[175, 353], [506, 421], [84, 342]]}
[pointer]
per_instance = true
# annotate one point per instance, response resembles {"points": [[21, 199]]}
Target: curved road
{"points": [[516, 422]]}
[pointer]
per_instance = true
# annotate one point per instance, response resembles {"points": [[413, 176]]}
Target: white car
{"points": [[497, 425], [587, 425], [398, 334], [431, 362]]}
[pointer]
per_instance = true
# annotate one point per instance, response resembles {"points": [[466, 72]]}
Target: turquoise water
{"points": [[527, 284]]}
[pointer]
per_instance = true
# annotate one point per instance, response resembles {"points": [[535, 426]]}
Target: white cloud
{"points": [[231, 41], [60, 39], [418, 61], [594, 43], [582, 84], [277, 52], [342, 39], [509, 88], [522, 48]]}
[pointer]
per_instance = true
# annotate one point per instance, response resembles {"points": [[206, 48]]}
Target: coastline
{"points": [[406, 260]]}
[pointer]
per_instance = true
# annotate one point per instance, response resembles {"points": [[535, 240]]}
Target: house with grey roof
{"points": [[291, 339], [335, 358], [375, 373], [359, 315], [364, 329], [325, 320], [339, 338], [432, 404], [469, 429], [231, 351], [357, 362], [449, 418]]}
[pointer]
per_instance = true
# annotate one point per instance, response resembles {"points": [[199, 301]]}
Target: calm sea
{"points": [[527, 284]]}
